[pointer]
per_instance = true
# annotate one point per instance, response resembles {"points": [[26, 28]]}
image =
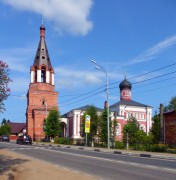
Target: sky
{"points": [[136, 38]]}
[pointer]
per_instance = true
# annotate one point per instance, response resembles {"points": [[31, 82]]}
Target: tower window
{"points": [[43, 74], [42, 49], [43, 57], [43, 102], [35, 75]]}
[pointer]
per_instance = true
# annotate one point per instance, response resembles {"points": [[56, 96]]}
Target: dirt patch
{"points": [[14, 166]]}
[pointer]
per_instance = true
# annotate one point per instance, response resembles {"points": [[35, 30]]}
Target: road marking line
{"points": [[116, 161]]}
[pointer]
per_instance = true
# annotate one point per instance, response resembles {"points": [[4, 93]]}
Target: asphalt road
{"points": [[104, 165]]}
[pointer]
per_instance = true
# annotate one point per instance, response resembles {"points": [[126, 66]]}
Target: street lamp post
{"points": [[107, 99]]}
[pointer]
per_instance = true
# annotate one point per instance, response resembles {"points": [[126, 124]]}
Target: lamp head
{"points": [[93, 61]]}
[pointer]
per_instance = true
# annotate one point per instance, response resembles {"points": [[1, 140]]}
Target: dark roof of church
{"points": [[16, 127], [125, 83], [127, 103], [42, 55], [83, 108]]}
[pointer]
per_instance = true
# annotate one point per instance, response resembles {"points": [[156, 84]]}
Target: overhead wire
{"points": [[156, 77], [87, 95]]}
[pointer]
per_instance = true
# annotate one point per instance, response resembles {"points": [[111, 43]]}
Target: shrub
{"points": [[100, 145], [157, 148], [172, 151], [80, 142], [56, 140], [66, 141], [119, 145]]}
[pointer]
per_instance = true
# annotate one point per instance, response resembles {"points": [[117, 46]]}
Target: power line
{"points": [[88, 93], [156, 77], [82, 99], [158, 69], [78, 96], [164, 67]]}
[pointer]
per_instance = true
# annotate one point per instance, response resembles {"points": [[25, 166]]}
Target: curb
{"points": [[126, 153]]}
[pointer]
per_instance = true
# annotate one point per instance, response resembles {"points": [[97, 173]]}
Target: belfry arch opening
{"points": [[35, 75], [43, 74]]}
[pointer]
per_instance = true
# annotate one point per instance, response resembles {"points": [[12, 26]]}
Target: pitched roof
{"points": [[128, 103], [83, 108], [16, 127], [42, 55], [170, 112]]}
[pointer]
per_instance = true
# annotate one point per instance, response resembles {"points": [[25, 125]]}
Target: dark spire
{"points": [[42, 55]]}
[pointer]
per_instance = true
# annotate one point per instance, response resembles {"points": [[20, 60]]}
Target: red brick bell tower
{"points": [[41, 96]]}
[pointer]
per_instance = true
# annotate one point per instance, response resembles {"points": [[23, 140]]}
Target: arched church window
{"points": [[136, 115], [43, 74], [126, 114], [118, 129], [142, 127]]}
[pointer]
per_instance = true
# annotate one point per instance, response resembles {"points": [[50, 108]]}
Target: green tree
{"points": [[140, 136], [130, 129], [94, 122], [171, 106], [4, 84], [115, 125], [155, 129], [52, 124], [5, 129], [4, 121], [103, 127]]}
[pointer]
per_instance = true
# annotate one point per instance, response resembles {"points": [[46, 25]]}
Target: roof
{"points": [[128, 103], [124, 84], [83, 108], [16, 127], [170, 112], [42, 55]]}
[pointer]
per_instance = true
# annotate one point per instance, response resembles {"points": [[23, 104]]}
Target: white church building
{"points": [[120, 111]]}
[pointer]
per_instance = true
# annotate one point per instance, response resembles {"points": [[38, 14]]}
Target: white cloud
{"points": [[152, 52], [22, 97], [66, 77], [17, 58], [92, 79], [68, 15]]}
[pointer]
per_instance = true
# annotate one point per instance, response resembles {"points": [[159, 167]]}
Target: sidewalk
{"points": [[14, 166], [145, 154]]}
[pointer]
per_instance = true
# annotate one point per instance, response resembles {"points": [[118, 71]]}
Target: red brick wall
{"points": [[170, 128], [36, 111]]}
